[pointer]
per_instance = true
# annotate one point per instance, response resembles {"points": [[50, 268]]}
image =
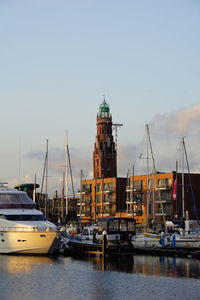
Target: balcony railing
{"points": [[165, 213], [134, 201], [87, 202], [108, 189], [84, 192], [108, 201], [163, 200], [130, 188], [163, 186]]}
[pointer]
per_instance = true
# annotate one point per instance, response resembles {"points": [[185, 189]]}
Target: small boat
{"points": [[110, 236], [152, 240], [187, 234], [23, 228], [185, 241]]}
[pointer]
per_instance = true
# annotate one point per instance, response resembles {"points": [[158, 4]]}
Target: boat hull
{"points": [[151, 240], [27, 242], [187, 242], [89, 248]]}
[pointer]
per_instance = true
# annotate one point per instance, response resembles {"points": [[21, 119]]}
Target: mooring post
{"points": [[104, 243], [173, 241]]}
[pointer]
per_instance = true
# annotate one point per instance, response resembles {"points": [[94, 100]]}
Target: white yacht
{"points": [[23, 228]]}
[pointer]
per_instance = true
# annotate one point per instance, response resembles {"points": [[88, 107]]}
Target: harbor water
{"points": [[138, 277]]}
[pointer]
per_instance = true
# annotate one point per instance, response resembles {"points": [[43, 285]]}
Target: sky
{"points": [[58, 59]]}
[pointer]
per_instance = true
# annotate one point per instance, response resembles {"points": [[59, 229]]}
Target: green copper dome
{"points": [[104, 110], [104, 107]]}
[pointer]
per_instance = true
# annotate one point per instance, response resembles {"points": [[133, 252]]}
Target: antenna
{"points": [[115, 127]]}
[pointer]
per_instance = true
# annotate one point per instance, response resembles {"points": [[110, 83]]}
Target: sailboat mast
{"points": [[183, 191], [176, 179], [132, 191], [154, 168], [34, 190], [66, 173], [147, 132], [128, 195], [70, 169], [63, 196], [46, 177], [154, 172], [190, 181], [81, 194]]}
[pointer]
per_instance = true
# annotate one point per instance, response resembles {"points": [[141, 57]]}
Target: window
{"points": [[98, 198], [98, 187], [131, 226], [123, 225], [14, 200], [86, 187], [164, 182], [166, 196], [137, 185], [113, 225], [25, 217]]}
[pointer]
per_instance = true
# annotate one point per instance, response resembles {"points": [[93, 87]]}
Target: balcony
{"points": [[163, 201], [86, 202], [165, 212], [108, 201], [84, 192], [135, 201], [84, 214], [80, 203], [162, 187], [130, 189], [107, 190]]}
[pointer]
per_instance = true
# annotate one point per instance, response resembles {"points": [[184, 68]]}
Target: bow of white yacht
{"points": [[23, 228]]}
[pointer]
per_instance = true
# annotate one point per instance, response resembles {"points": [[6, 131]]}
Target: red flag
{"points": [[174, 190]]}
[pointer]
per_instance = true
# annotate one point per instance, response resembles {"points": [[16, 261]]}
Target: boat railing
{"points": [[29, 229]]}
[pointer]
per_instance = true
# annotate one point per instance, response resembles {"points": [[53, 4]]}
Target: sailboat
{"points": [[149, 238], [189, 236]]}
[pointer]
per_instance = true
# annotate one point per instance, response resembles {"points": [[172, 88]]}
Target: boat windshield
{"points": [[16, 200], [118, 225], [23, 217], [131, 226]]}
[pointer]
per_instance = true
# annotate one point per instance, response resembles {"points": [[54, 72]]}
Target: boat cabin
{"points": [[88, 232], [117, 228]]}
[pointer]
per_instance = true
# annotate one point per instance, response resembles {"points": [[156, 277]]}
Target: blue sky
{"points": [[58, 58]]}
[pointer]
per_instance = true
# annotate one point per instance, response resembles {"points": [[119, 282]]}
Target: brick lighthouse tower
{"points": [[104, 155]]}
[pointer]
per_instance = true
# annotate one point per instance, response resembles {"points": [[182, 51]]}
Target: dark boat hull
{"points": [[88, 248]]}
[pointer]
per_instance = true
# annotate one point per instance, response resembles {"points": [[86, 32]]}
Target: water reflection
{"points": [[22, 264], [139, 264], [151, 265], [151, 277]]}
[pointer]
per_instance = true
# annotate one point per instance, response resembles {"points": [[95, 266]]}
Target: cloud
{"points": [[27, 178], [166, 131], [35, 155], [127, 157], [179, 123], [80, 158], [188, 117]]}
